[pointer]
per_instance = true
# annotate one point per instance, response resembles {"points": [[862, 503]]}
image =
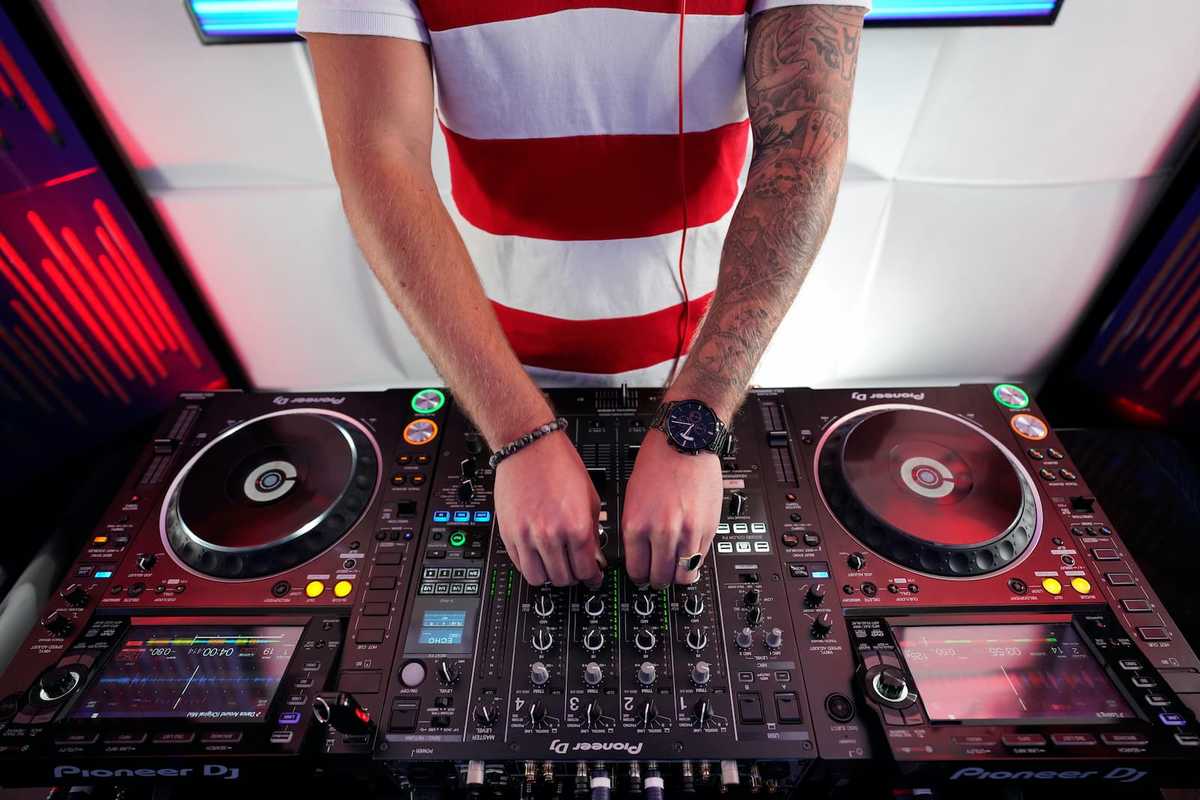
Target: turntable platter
{"points": [[270, 493], [927, 490]]}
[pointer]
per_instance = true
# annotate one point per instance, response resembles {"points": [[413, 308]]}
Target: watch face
{"points": [[691, 425]]}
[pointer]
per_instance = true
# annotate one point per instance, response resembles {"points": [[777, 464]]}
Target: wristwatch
{"points": [[692, 427]]}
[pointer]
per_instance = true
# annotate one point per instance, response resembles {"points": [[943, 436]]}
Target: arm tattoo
{"points": [[800, 66]]}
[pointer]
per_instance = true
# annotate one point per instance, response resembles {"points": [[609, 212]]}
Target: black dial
{"points": [[691, 426]]}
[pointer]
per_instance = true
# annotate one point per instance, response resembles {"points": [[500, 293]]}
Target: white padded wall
{"points": [[994, 175]]}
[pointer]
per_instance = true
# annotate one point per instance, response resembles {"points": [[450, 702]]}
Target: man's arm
{"points": [[800, 67], [377, 101]]}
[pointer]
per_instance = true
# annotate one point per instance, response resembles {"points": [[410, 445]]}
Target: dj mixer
{"points": [[914, 584]]}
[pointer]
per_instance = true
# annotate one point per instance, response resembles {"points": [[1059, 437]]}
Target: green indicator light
{"points": [[1010, 396], [458, 539], [428, 401]]}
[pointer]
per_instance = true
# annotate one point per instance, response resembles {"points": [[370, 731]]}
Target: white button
{"points": [[743, 547], [723, 527], [758, 527], [724, 547], [762, 547], [741, 527]]}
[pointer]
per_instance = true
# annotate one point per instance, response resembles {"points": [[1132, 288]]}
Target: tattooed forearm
{"points": [[800, 66]]}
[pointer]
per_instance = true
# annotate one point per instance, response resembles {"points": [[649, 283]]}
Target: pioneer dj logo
{"points": [[1116, 774], [863, 396], [283, 400], [218, 771], [561, 748]]}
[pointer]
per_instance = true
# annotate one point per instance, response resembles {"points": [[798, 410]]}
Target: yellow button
{"points": [[1052, 586], [342, 588], [314, 588], [1081, 585]]}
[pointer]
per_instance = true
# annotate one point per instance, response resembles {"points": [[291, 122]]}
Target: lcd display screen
{"points": [[204, 673], [1008, 673], [442, 627]]}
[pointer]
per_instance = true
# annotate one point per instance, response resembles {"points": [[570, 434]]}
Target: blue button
{"points": [[441, 516], [462, 516], [1171, 718], [289, 718], [104, 573], [819, 573], [483, 516], [408, 535]]}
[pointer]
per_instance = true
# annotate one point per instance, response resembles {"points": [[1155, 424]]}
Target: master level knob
{"points": [[856, 561], [693, 604], [702, 713], [754, 615], [701, 673], [538, 674], [543, 606], [643, 605], [485, 715], [744, 638], [448, 673], [542, 640], [774, 638], [647, 673], [815, 594], [593, 640], [890, 684], [594, 606], [821, 625], [592, 674], [466, 491], [737, 504], [594, 713], [644, 640], [697, 639]]}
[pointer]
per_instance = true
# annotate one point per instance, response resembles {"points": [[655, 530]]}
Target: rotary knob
{"points": [[593, 640], [737, 504], [821, 625], [702, 712], [814, 595], [744, 638], [75, 595], [594, 714], [647, 673], [594, 606], [701, 673], [693, 604], [592, 674], [648, 714], [856, 561], [485, 715], [537, 713], [543, 606], [752, 598], [643, 605], [538, 674], [644, 640], [466, 491], [448, 673], [467, 468], [754, 615], [774, 639], [58, 684], [891, 685], [146, 561], [697, 639], [473, 442], [542, 640]]}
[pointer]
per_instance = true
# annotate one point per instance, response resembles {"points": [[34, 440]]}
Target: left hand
{"points": [[672, 507]]}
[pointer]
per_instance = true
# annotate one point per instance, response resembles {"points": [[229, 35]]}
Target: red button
{"points": [[1073, 739]]}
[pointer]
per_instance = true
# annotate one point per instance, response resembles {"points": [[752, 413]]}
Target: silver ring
{"points": [[690, 563]]}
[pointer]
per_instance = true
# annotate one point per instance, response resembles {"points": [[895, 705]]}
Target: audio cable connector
{"points": [[655, 789]]}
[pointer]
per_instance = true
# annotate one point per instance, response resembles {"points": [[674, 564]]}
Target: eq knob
{"points": [[774, 639], [737, 504], [594, 715], [593, 640], [467, 468], [856, 561], [543, 606], [821, 625], [473, 442], [693, 604], [814, 595], [891, 685], [448, 673], [538, 674], [643, 605], [754, 615], [594, 606], [647, 673], [466, 491], [702, 713], [744, 638], [701, 673], [648, 715], [696, 639], [592, 674], [485, 715], [644, 640], [542, 640]]}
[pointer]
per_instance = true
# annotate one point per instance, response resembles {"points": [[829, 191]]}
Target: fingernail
{"points": [[601, 560]]}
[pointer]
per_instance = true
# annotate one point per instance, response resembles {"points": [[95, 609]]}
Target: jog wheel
{"points": [[928, 490], [270, 494]]}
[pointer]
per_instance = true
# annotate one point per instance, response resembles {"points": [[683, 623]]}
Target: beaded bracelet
{"points": [[521, 443]]}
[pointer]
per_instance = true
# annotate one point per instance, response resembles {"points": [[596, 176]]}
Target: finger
{"points": [[694, 542], [663, 549], [554, 559], [637, 556], [532, 568], [583, 553]]}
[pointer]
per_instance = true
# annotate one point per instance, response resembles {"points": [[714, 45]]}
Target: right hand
{"points": [[548, 512]]}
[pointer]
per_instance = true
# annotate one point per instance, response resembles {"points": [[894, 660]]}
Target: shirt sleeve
{"points": [[400, 19], [758, 6]]}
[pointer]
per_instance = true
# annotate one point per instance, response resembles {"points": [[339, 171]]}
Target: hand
{"points": [[548, 512], [672, 507]]}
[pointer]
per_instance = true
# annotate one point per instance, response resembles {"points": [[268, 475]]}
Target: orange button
{"points": [[100, 540]]}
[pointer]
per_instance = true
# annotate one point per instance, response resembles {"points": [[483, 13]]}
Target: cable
{"points": [[685, 317]]}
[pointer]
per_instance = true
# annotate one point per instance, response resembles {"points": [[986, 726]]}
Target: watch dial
{"points": [[692, 425]]}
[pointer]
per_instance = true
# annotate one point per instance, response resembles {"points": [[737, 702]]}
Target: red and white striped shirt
{"points": [[561, 121]]}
